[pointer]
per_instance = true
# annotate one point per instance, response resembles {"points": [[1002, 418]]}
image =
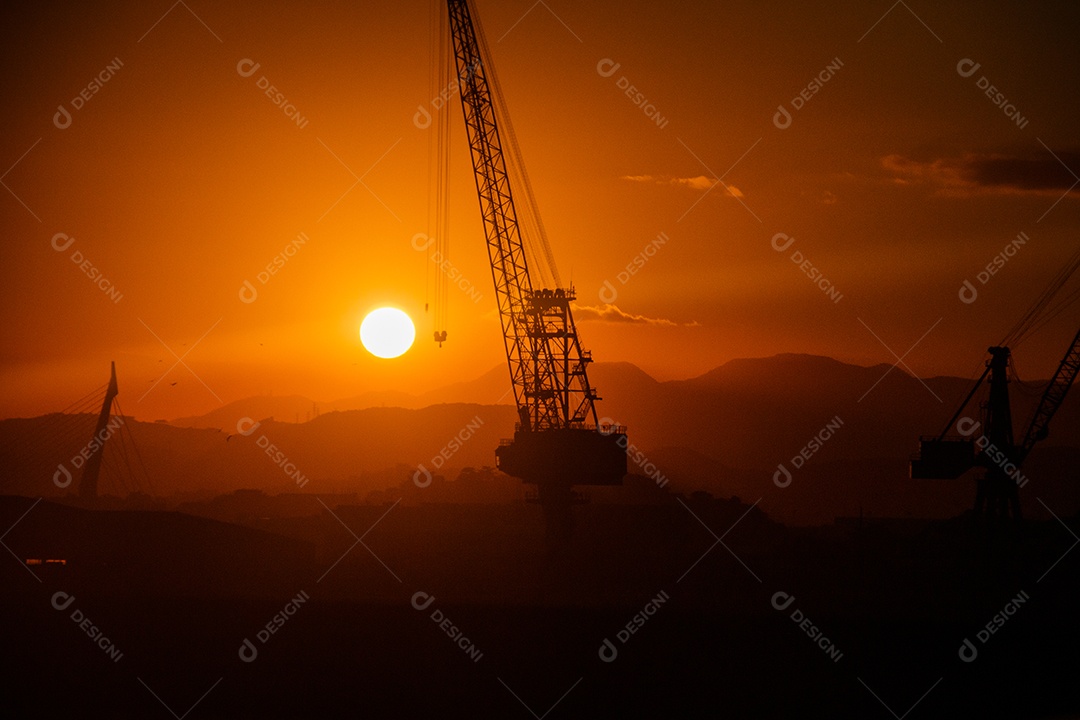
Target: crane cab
{"points": [[942, 458]]}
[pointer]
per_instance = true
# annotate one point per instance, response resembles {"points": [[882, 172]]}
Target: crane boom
{"points": [[1051, 399], [557, 442], [547, 365]]}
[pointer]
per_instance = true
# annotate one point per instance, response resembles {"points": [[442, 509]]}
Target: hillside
{"points": [[844, 432]]}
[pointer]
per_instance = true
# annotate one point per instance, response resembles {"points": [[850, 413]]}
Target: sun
{"points": [[387, 332]]}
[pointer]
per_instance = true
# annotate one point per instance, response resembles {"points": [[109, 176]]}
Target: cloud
{"points": [[696, 183], [988, 174], [612, 314]]}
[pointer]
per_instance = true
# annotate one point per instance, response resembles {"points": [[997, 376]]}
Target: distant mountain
{"points": [[747, 417], [759, 412], [491, 388], [284, 408], [355, 451], [843, 432]]}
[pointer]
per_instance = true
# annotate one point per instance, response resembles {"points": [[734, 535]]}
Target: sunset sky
{"points": [[179, 180]]}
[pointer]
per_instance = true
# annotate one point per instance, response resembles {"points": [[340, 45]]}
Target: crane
{"points": [[1051, 400], [990, 443], [557, 441]]}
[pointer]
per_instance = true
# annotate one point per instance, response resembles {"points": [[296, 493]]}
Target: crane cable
{"points": [[1039, 314], [1028, 388], [437, 250], [1047, 315], [442, 205], [1056, 310], [530, 224], [1042, 311], [432, 29], [1036, 315]]}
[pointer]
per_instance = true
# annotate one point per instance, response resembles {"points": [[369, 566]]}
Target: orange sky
{"points": [[179, 180]]}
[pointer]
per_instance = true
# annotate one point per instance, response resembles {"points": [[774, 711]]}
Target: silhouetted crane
{"points": [[557, 442], [989, 443]]}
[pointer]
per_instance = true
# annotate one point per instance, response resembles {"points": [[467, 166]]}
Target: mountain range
{"points": [[842, 433]]}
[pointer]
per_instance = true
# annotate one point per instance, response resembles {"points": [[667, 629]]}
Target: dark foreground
{"points": [[176, 604]]}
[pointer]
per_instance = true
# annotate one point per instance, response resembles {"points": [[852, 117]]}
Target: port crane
{"points": [[557, 441], [989, 443]]}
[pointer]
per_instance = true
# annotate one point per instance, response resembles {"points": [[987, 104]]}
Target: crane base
{"points": [[569, 456]]}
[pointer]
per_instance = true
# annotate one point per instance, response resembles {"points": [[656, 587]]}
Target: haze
{"points": [[181, 180]]}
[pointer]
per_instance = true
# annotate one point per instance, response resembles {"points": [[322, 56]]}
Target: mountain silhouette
{"points": [[727, 432]]}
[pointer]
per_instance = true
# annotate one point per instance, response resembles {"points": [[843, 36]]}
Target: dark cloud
{"points": [[982, 174], [1024, 173]]}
